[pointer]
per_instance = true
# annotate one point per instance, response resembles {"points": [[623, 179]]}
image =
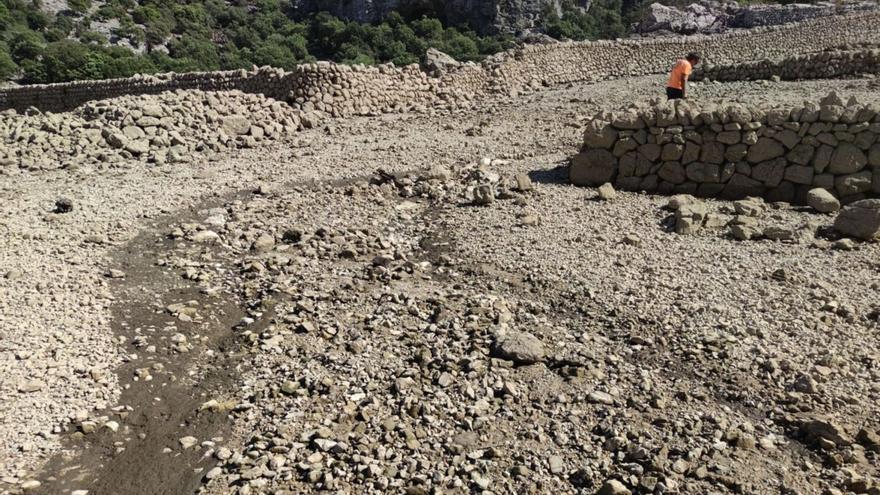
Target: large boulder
{"points": [[860, 219], [592, 168], [694, 18], [438, 62]]}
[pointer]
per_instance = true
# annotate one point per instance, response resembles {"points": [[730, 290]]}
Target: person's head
{"points": [[693, 58]]}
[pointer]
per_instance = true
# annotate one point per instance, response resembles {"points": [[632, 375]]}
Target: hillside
{"points": [[86, 40], [59, 41]]}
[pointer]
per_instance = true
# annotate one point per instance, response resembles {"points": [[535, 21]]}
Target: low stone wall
{"points": [[271, 82], [819, 65], [570, 62], [371, 90], [734, 151], [769, 15]]}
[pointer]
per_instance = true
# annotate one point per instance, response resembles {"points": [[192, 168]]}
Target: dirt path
{"points": [[175, 365]]}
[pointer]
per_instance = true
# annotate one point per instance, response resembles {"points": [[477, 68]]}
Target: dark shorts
{"points": [[674, 94]]}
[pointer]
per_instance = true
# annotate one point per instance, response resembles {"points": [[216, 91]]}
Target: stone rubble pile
{"points": [[165, 128], [733, 151], [749, 219], [819, 65], [343, 90]]}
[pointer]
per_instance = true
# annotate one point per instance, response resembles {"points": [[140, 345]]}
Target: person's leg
{"points": [[674, 93]]}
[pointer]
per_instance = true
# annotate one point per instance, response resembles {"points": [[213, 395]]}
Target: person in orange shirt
{"points": [[676, 88]]}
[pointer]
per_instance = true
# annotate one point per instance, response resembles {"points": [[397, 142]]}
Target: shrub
{"points": [[67, 61], [25, 45], [8, 67], [79, 6]]}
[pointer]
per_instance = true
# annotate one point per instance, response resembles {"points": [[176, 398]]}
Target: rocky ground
{"points": [[348, 309]]}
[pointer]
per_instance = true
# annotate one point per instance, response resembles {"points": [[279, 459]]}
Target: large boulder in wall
{"points": [[438, 62], [593, 167]]}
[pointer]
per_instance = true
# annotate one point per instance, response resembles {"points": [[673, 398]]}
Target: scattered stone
{"points": [[614, 487], [598, 397], [519, 347], [188, 442], [744, 232], [860, 219], [607, 192], [750, 207], [63, 205], [30, 485], [822, 201], [689, 218], [484, 195], [523, 183], [205, 237], [843, 244]]}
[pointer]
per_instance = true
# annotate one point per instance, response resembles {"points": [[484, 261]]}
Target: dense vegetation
{"points": [[173, 35]]}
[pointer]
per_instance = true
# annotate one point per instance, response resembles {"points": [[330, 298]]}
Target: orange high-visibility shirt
{"points": [[682, 68]]}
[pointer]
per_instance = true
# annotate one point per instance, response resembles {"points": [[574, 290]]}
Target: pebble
{"points": [[188, 442]]}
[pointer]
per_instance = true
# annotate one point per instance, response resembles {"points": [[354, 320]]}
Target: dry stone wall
{"points": [[734, 151], [818, 65], [570, 62], [343, 90], [274, 83]]}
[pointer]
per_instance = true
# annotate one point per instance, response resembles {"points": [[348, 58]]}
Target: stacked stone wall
{"points": [[735, 151], [343, 90], [324, 86], [818, 65], [571, 62], [770, 15], [271, 82]]}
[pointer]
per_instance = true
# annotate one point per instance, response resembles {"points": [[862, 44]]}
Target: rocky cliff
{"points": [[485, 16], [711, 16]]}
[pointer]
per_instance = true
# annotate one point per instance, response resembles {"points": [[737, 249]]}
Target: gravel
{"points": [[645, 360]]}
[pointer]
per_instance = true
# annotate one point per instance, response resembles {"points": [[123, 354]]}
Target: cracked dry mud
{"points": [[334, 313]]}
